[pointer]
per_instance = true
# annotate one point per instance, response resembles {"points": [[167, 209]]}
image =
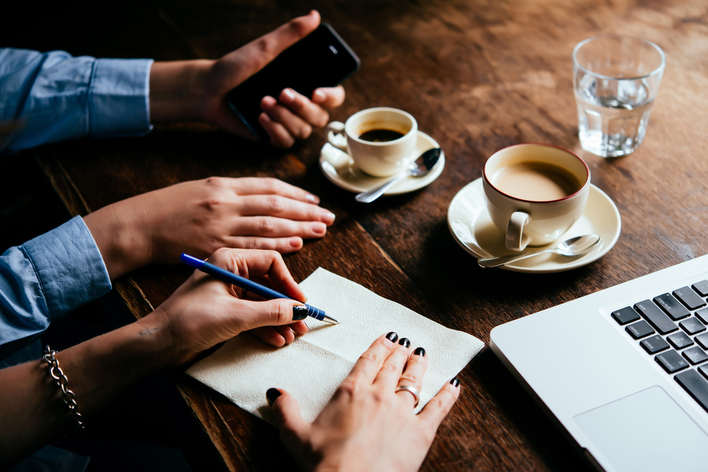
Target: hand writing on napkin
{"points": [[204, 311], [370, 423]]}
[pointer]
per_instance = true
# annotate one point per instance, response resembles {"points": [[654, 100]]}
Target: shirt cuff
{"points": [[119, 98], [69, 267]]}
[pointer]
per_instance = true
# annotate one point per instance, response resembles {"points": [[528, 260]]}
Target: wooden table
{"points": [[478, 76]]}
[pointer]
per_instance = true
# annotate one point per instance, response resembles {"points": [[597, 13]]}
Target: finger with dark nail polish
{"points": [[393, 337], [455, 382], [299, 312], [272, 394], [419, 351], [404, 342]]}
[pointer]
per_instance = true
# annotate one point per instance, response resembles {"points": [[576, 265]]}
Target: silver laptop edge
{"points": [[580, 366]]}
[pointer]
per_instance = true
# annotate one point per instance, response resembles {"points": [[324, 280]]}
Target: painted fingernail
{"points": [[393, 337], [455, 382], [272, 395], [419, 351], [299, 312], [404, 342]]}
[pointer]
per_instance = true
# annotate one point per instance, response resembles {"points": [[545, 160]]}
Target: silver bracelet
{"points": [[62, 381]]}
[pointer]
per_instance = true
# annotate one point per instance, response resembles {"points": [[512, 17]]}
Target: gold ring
{"points": [[412, 390]]}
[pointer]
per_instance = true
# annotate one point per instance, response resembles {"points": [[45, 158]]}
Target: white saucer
{"points": [[339, 168], [472, 228]]}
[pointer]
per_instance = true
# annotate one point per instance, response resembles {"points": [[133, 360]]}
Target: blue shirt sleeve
{"points": [[54, 96], [46, 278]]}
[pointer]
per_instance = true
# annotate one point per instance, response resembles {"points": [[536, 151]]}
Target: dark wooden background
{"points": [[478, 76]]}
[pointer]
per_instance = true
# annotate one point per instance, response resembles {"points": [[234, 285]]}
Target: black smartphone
{"points": [[320, 59]]}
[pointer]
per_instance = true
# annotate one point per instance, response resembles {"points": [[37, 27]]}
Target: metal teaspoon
{"points": [[576, 246], [418, 168]]}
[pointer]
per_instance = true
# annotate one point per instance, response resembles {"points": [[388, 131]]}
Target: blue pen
{"points": [[251, 286]]}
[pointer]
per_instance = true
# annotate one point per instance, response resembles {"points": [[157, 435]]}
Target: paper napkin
{"points": [[313, 366]]}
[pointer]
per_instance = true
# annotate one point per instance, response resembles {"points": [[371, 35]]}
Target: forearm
{"points": [[177, 90], [31, 408]]}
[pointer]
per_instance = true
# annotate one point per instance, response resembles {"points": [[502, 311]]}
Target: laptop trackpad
{"points": [[645, 431]]}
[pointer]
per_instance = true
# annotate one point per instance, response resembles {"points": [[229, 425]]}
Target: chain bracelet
{"points": [[62, 381]]}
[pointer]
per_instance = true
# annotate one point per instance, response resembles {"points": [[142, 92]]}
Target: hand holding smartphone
{"points": [[320, 59]]}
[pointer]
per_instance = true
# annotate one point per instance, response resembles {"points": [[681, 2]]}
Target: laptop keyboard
{"points": [[672, 328]]}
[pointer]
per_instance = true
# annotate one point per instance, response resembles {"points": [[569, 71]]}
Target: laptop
{"points": [[624, 371]]}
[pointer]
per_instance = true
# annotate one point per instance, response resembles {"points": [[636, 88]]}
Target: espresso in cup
{"points": [[381, 141], [381, 135], [535, 193]]}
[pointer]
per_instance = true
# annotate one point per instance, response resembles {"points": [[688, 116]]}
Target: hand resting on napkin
{"points": [[370, 424]]}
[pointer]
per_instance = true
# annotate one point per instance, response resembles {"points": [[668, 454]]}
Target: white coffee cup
{"points": [[392, 140], [535, 192]]}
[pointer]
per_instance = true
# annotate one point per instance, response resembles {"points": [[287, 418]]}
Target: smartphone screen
{"points": [[320, 59]]}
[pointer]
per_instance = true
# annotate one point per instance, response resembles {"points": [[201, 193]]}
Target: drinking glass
{"points": [[616, 79]]}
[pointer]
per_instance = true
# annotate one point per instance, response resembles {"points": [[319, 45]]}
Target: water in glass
{"points": [[613, 115]]}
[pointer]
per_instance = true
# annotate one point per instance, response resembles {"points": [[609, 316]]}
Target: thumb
{"points": [[256, 314], [293, 428], [258, 53]]}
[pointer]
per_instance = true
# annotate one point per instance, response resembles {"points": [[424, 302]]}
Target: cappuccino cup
{"points": [[535, 193], [381, 141]]}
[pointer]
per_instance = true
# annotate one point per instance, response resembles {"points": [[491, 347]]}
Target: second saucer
{"points": [[472, 228], [339, 168]]}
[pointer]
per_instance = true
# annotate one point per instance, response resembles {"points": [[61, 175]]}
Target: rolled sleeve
{"points": [[48, 277], [119, 97], [54, 97]]}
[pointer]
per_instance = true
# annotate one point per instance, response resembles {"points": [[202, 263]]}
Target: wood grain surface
{"points": [[478, 76]]}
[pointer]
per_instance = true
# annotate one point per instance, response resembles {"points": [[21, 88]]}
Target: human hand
{"points": [[197, 89], [204, 311], [198, 217], [368, 426]]}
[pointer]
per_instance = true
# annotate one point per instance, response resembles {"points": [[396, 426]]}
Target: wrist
{"points": [[178, 90], [120, 241], [154, 331], [169, 349]]}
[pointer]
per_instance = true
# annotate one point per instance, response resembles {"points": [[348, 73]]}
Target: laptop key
{"points": [[680, 340], [640, 329], [695, 385], [654, 344], [689, 297], [671, 361], [625, 315], [701, 287], [692, 326], [702, 340], [695, 355], [704, 370], [702, 315], [671, 306], [655, 317]]}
